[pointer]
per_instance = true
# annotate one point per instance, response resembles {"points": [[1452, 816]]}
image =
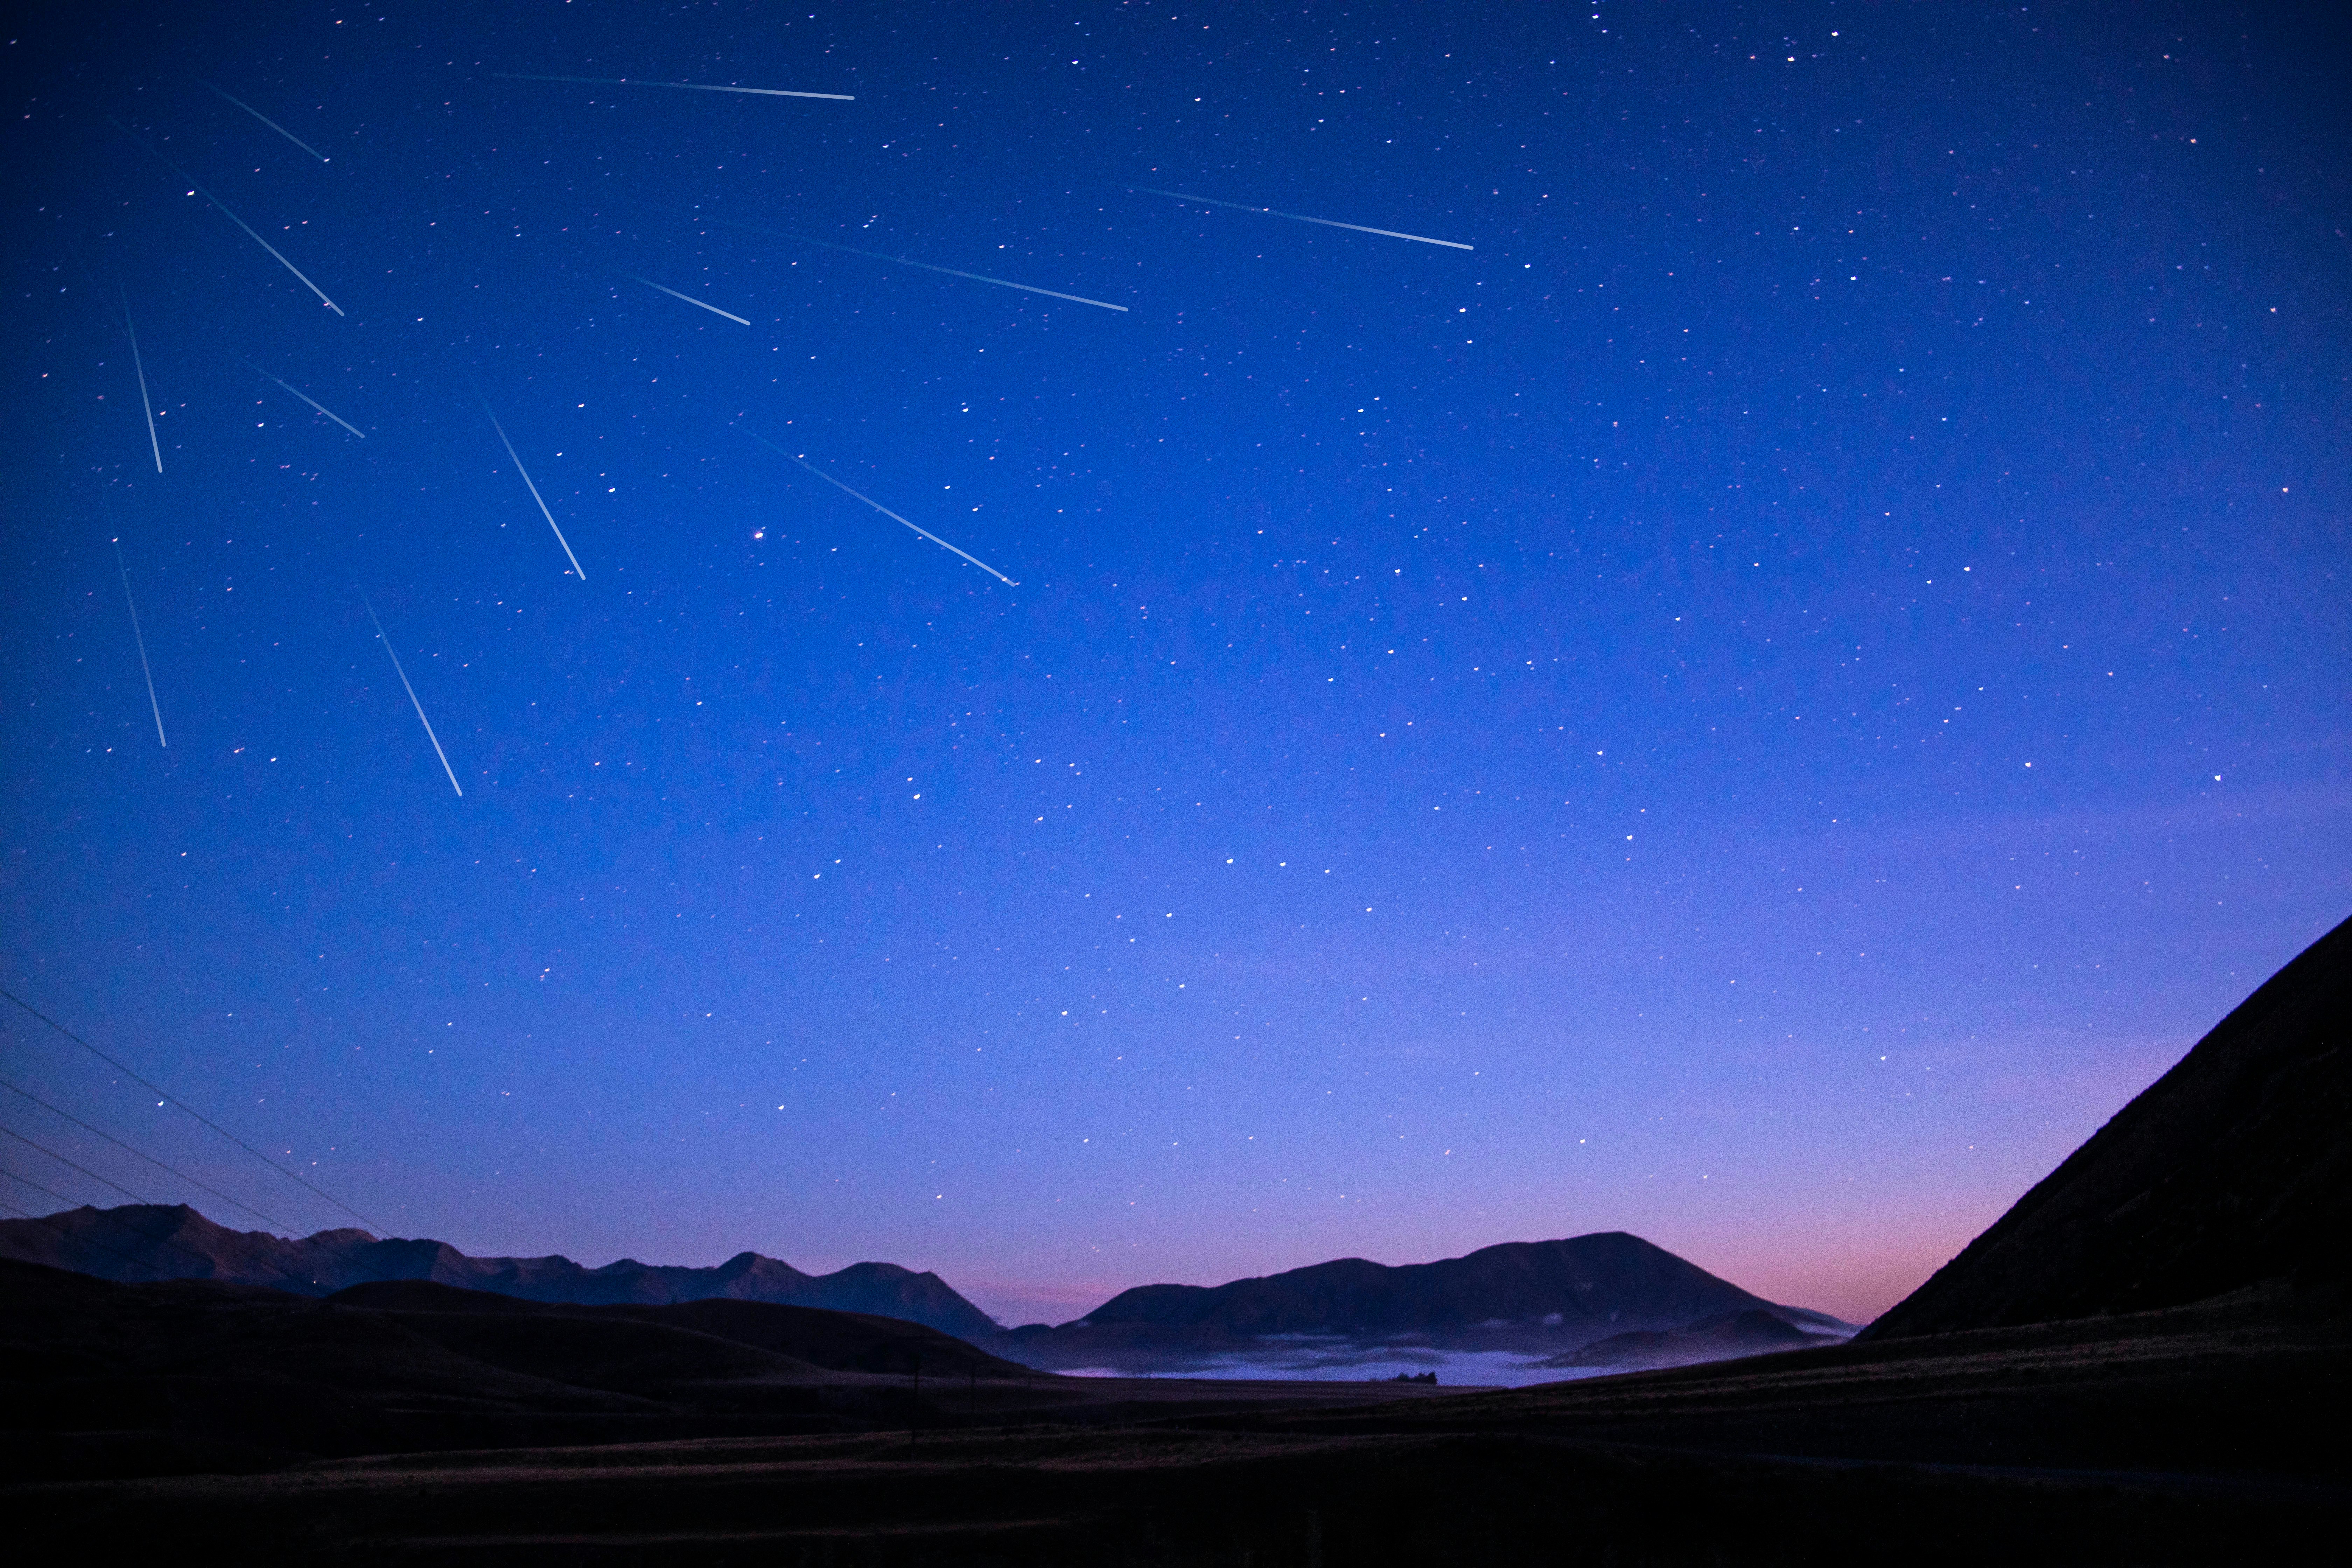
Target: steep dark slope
{"points": [[2231, 1171], [143, 1242]]}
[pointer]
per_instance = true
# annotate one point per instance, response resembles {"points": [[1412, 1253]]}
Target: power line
{"points": [[377, 1226], [150, 1159], [253, 1251], [37, 1186], [85, 1170]]}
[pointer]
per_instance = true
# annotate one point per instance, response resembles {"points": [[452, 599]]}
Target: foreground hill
{"points": [[201, 1375], [2230, 1172], [98, 1379], [1546, 1295], [139, 1242]]}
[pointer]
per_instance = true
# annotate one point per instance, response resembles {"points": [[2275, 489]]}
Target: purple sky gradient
{"points": [[1756, 707]]}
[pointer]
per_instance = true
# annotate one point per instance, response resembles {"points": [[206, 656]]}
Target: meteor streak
{"points": [[411, 696], [1302, 218], [687, 297], [884, 510], [310, 400], [976, 276], [138, 366], [272, 124], [532, 487], [236, 220], [689, 86], [142, 641]]}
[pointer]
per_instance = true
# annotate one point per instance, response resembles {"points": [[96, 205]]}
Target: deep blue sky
{"points": [[1757, 706]]}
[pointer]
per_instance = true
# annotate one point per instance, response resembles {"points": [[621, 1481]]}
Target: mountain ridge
{"points": [[135, 1243]]}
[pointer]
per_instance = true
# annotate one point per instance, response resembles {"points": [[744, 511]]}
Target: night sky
{"points": [[1755, 705]]}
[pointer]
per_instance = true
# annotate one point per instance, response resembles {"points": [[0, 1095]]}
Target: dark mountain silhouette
{"points": [[1593, 1280], [2230, 1172], [1724, 1337], [1522, 1293], [139, 1242]]}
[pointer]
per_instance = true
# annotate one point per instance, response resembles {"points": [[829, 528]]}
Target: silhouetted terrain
{"points": [[1538, 1296], [141, 1242], [2233, 1171], [2184, 1440], [405, 1422], [1528, 1295]]}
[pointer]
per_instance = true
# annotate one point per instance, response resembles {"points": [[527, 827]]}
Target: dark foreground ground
{"points": [[210, 1425], [1128, 1496]]}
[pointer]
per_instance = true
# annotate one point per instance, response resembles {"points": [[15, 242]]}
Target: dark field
{"points": [[1052, 1496]]}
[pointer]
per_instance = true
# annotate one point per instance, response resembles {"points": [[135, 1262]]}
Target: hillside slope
{"points": [[2232, 1172]]}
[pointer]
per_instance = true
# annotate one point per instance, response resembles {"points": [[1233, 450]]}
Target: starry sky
{"points": [[1754, 696]]}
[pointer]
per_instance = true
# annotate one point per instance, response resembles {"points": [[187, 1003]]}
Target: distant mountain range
{"points": [[1522, 1295], [1545, 1296], [2232, 1172], [136, 1243]]}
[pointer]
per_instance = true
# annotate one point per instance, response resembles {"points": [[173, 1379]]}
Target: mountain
{"points": [[1523, 1293], [1606, 1278], [2230, 1172], [139, 1242]]}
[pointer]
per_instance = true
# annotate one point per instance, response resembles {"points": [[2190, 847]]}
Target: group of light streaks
{"points": [[577, 571]]}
